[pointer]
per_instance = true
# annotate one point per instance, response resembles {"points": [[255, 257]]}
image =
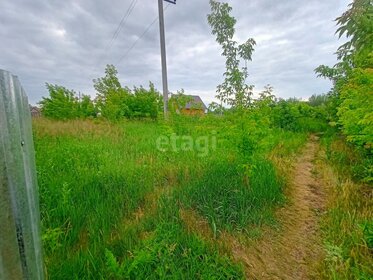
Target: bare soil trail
{"points": [[294, 251]]}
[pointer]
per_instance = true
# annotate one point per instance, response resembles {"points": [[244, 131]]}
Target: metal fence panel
{"points": [[20, 244]]}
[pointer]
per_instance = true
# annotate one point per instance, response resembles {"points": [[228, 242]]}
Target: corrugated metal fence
{"points": [[20, 245]]}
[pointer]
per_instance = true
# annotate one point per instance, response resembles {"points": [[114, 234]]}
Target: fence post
{"points": [[20, 243]]}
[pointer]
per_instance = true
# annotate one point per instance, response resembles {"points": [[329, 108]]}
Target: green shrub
{"points": [[355, 112], [62, 104]]}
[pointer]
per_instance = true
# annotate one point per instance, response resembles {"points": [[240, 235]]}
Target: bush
{"points": [[355, 112], [144, 103], [61, 105]]}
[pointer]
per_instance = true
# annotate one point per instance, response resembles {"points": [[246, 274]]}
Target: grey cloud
{"points": [[65, 42]]}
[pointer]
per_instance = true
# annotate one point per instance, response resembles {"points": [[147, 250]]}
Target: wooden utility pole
{"points": [[163, 55]]}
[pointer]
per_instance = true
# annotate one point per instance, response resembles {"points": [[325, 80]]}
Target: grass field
{"points": [[347, 226], [112, 199]]}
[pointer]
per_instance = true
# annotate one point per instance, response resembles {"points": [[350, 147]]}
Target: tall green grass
{"points": [[356, 162], [232, 196], [99, 181], [88, 185], [347, 226], [171, 253]]}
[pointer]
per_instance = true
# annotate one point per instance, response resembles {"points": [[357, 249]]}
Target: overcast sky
{"points": [[68, 43]]}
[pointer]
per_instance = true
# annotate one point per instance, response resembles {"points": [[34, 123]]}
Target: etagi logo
{"points": [[186, 143]]}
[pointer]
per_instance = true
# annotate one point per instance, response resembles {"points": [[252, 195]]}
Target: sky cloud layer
{"points": [[70, 42]]}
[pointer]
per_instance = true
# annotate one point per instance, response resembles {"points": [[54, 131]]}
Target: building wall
{"points": [[35, 112], [193, 112]]}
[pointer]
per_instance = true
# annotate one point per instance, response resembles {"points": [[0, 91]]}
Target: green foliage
{"points": [[318, 100], [216, 108], [87, 107], [357, 24], [144, 103], [351, 98], [113, 102], [61, 105], [298, 116], [52, 239], [116, 102], [285, 115], [109, 84], [114, 268], [112, 99], [355, 111], [234, 90]]}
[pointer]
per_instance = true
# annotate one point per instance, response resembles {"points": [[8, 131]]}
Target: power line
{"points": [[139, 38], [119, 28], [123, 21]]}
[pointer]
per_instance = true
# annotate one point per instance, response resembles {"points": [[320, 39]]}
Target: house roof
{"points": [[34, 108], [195, 102]]}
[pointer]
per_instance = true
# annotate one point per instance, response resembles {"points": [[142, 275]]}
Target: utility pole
{"points": [[163, 55]]}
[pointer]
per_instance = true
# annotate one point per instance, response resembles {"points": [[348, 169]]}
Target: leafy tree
{"points": [[324, 107], [318, 100], [234, 90], [112, 99], [297, 115], [61, 104], [216, 108], [356, 109], [115, 106], [357, 24], [285, 115], [266, 98], [108, 84], [113, 102], [352, 75], [144, 103], [265, 104], [86, 107]]}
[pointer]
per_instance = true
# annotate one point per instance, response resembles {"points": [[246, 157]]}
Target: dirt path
{"points": [[292, 252]]}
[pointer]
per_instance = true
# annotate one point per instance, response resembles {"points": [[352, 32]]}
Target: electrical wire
{"points": [[139, 38], [120, 26], [123, 21]]}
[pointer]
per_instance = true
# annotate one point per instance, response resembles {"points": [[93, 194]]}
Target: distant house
{"points": [[194, 107], [35, 111]]}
